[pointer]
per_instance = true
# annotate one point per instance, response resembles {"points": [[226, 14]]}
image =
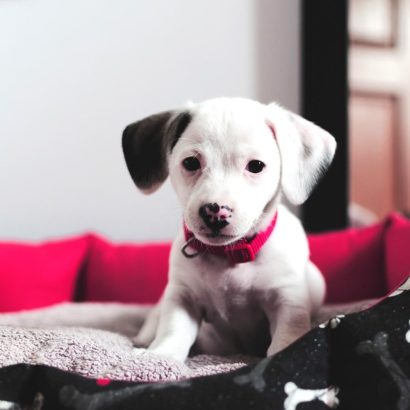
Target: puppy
{"points": [[240, 279]]}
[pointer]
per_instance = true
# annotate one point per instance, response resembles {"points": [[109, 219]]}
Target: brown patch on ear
{"points": [[145, 144], [143, 147]]}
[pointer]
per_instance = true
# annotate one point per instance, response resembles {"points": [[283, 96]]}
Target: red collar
{"points": [[241, 251]]}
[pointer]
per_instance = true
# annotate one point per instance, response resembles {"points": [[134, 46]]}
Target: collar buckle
{"points": [[242, 253]]}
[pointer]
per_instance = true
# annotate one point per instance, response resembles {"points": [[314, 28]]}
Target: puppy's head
{"points": [[228, 160]]}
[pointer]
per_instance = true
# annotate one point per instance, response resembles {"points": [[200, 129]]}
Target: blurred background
{"points": [[74, 74], [379, 107]]}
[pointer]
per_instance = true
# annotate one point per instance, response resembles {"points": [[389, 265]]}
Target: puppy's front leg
{"points": [[178, 325], [289, 320], [148, 330]]}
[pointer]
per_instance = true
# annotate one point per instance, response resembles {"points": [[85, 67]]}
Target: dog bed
{"points": [[338, 363], [78, 355]]}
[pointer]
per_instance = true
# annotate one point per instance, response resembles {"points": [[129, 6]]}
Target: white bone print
{"points": [[333, 322], [297, 395]]}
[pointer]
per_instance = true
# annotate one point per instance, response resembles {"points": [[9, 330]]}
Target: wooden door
{"points": [[379, 107]]}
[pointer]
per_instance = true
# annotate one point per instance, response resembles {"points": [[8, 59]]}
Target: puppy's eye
{"points": [[191, 164], [255, 166]]}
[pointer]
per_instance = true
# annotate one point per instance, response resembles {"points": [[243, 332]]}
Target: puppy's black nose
{"points": [[215, 216]]}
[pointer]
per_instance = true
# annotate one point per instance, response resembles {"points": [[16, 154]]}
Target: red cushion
{"points": [[357, 264], [352, 262], [129, 273], [33, 276], [397, 250]]}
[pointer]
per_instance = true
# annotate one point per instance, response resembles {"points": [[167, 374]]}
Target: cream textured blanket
{"points": [[93, 340]]}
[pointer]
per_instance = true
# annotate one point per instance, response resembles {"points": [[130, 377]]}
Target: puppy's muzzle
{"points": [[215, 216]]}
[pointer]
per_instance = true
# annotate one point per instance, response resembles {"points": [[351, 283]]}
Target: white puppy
{"points": [[240, 278]]}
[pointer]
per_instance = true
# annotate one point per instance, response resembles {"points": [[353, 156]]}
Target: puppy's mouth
{"points": [[215, 238]]}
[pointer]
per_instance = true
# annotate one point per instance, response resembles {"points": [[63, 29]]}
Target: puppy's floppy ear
{"points": [[306, 152], [146, 144]]}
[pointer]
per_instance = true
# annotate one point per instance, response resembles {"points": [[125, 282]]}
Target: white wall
{"points": [[74, 73]]}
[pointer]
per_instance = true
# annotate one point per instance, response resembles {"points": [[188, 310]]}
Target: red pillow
{"points": [[397, 249], [352, 262], [129, 273], [33, 276]]}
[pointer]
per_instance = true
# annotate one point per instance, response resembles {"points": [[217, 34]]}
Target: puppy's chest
{"points": [[231, 297]]}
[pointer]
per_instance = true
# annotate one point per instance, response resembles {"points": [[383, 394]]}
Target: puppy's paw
{"points": [[168, 352], [273, 350], [140, 342], [138, 351], [278, 346]]}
